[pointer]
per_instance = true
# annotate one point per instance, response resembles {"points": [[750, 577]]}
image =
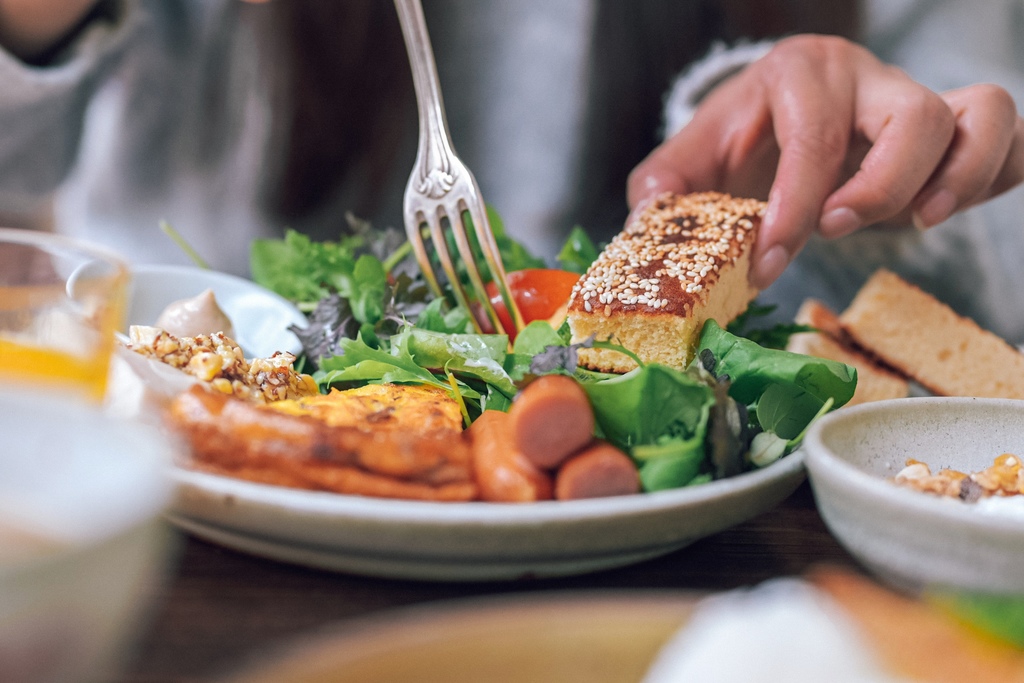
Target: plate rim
{"points": [[328, 505]]}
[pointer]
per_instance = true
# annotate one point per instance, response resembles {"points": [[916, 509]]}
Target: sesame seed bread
{"points": [[874, 382], [923, 338], [680, 262]]}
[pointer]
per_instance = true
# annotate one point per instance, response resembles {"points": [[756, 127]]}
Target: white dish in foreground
{"points": [[469, 541], [908, 538], [260, 317]]}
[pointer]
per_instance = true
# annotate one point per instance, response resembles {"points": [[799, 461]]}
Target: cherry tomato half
{"points": [[538, 292]]}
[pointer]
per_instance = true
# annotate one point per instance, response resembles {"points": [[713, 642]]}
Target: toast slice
{"points": [[874, 382], [923, 338], [682, 261]]}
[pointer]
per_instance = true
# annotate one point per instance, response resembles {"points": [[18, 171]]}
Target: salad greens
{"points": [[578, 252], [754, 368], [739, 405], [514, 256], [772, 337], [659, 416]]}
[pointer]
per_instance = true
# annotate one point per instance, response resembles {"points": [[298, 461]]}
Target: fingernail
{"points": [[638, 209], [934, 210], [769, 267], [839, 222]]}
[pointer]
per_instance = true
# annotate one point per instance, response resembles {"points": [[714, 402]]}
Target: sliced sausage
{"points": [[598, 471], [503, 474], [551, 419]]}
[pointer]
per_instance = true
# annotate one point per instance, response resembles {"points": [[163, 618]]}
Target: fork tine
{"points": [[413, 221], [438, 174], [434, 219], [458, 229], [485, 236]]}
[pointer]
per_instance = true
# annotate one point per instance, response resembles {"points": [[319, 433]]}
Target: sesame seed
{"points": [[668, 254]]}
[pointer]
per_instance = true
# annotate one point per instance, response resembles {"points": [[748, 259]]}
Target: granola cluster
{"points": [[1005, 477], [219, 361]]}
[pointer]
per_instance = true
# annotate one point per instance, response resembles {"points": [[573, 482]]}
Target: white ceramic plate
{"points": [[261, 318], [470, 541], [421, 540], [908, 538]]}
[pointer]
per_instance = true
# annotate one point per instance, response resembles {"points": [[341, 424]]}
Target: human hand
{"points": [[837, 140], [28, 28]]}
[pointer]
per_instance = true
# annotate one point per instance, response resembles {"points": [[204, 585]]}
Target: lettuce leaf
{"points": [[578, 252], [478, 356], [660, 416], [753, 368]]}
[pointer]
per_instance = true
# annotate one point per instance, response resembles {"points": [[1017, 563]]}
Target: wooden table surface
{"points": [[222, 609]]}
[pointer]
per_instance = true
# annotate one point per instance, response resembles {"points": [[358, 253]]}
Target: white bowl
{"points": [[260, 317], [911, 539], [82, 542]]}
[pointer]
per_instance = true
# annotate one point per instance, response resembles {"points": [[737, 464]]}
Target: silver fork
{"points": [[441, 189]]}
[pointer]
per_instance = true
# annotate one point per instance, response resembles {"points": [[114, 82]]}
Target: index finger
{"points": [[683, 163], [813, 126]]}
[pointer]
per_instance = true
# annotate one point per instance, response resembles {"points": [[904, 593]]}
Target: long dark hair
{"points": [[343, 96], [347, 92]]}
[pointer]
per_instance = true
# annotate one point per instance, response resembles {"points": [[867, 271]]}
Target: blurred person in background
{"points": [[235, 120]]}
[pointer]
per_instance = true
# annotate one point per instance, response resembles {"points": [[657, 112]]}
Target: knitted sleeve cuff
{"points": [[43, 106], [83, 56], [702, 76]]}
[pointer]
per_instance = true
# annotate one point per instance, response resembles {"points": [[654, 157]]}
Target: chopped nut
{"points": [[217, 359], [1004, 478], [205, 365]]}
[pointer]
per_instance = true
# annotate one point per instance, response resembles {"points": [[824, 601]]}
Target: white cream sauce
{"points": [[199, 315]]}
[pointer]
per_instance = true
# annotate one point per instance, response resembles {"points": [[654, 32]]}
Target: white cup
{"points": [[83, 546]]}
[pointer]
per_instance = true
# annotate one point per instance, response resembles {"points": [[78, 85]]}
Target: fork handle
{"points": [[435, 146]]}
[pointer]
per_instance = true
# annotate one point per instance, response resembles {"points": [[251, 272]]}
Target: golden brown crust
{"points": [[381, 407], [670, 255], [822, 318], [256, 442], [350, 480], [684, 259]]}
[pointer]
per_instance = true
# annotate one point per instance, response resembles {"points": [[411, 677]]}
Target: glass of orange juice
{"points": [[60, 303]]}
